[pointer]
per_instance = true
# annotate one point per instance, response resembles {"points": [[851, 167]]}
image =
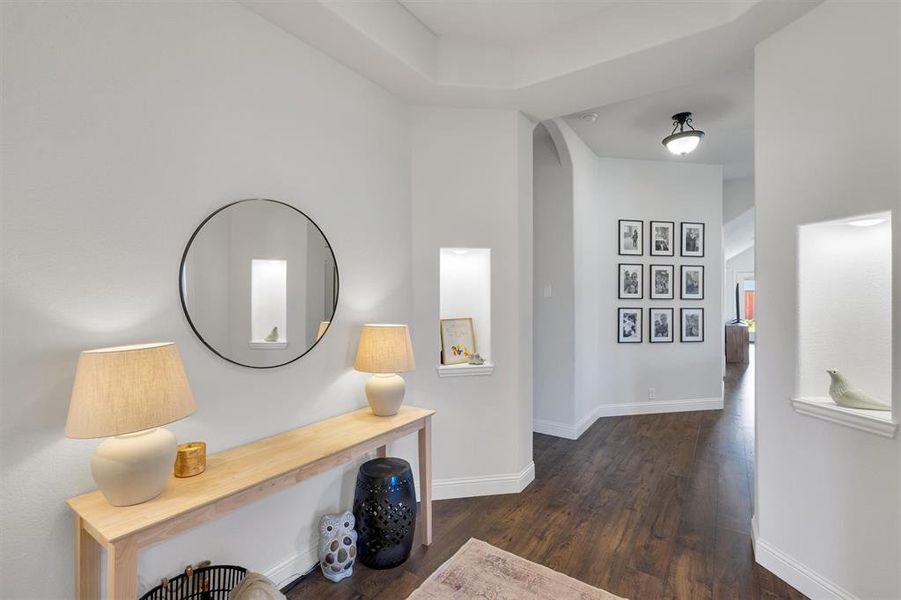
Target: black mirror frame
{"points": [[181, 283]]}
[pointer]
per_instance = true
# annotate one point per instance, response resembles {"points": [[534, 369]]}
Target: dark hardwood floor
{"points": [[650, 506]]}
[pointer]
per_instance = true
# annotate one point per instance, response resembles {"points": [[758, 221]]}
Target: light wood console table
{"points": [[234, 478]]}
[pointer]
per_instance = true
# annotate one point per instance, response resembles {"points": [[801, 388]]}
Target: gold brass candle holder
{"points": [[190, 459]]}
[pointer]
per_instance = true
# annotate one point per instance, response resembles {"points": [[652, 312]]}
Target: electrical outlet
{"points": [[652, 393], [548, 291]]}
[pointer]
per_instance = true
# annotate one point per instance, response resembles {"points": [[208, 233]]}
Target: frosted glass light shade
{"points": [[384, 349], [127, 389], [681, 144]]}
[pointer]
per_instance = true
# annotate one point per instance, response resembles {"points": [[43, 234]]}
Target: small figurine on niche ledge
{"points": [[476, 359], [273, 335], [844, 395], [337, 545]]}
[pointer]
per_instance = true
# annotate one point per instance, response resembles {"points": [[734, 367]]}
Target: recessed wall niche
{"points": [[269, 303], [845, 310], [465, 291]]}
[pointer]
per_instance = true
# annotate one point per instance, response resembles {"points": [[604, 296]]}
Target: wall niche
{"points": [[465, 291], [845, 316]]}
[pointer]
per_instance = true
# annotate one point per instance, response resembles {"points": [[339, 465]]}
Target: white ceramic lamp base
{"points": [[134, 467], [385, 393]]}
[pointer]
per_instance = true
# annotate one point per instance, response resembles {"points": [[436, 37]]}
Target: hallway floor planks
{"points": [[648, 506]]}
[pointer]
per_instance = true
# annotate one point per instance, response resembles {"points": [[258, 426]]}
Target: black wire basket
{"points": [[204, 583]]}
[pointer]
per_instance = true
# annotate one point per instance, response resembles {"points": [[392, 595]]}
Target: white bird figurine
{"points": [[849, 397]]}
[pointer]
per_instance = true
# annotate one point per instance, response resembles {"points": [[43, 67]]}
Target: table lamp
{"points": [[125, 394], [385, 350]]}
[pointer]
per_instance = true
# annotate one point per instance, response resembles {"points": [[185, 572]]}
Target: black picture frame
{"points": [[652, 246], [651, 325], [682, 270], [636, 237], [652, 293], [637, 329], [701, 241], [694, 339], [619, 281]]}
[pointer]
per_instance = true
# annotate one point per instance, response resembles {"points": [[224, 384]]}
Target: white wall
{"points": [[738, 197], [124, 126], [828, 506], [738, 216], [845, 307], [553, 325], [742, 263], [685, 376], [472, 188], [611, 378]]}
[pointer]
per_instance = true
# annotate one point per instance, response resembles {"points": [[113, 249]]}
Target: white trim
{"points": [[264, 345], [801, 577], [465, 370], [481, 485], [293, 568], [565, 430], [871, 421], [658, 407], [573, 432]]}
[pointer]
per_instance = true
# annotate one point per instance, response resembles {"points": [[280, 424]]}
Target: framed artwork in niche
{"points": [[628, 326], [662, 238], [692, 282], [630, 282], [660, 325], [631, 237], [692, 329], [660, 282], [692, 239], [458, 341]]}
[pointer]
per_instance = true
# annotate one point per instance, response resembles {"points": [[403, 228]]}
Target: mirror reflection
{"points": [[259, 283]]}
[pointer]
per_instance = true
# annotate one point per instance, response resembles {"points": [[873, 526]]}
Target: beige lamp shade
{"points": [[384, 349], [322, 327], [127, 389]]}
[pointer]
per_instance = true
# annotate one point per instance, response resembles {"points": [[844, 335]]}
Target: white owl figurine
{"points": [[337, 545]]}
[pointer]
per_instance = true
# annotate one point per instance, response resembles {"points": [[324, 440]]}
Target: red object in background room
{"points": [[749, 305]]}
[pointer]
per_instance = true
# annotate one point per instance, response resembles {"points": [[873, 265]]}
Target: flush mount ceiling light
{"points": [[682, 142]]}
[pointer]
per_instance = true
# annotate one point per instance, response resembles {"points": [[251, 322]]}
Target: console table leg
{"points": [[87, 563], [381, 451], [122, 571], [425, 479]]}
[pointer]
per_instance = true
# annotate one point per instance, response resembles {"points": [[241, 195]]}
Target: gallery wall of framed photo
{"points": [[671, 267]]}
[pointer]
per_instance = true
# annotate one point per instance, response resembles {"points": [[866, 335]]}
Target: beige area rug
{"points": [[479, 570]]}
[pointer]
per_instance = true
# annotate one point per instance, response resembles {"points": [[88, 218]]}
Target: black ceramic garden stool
{"points": [[385, 512]]}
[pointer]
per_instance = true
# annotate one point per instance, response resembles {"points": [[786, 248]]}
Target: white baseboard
{"points": [[573, 432], [293, 567], [664, 406], [556, 429], [800, 576], [482, 485]]}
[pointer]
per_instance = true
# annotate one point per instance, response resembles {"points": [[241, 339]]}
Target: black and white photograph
{"points": [[692, 325], [692, 282], [663, 234], [630, 237], [661, 282], [660, 325], [629, 326], [692, 239], [631, 282]]}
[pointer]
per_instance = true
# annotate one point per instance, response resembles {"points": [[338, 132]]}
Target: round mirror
{"points": [[259, 283]]}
